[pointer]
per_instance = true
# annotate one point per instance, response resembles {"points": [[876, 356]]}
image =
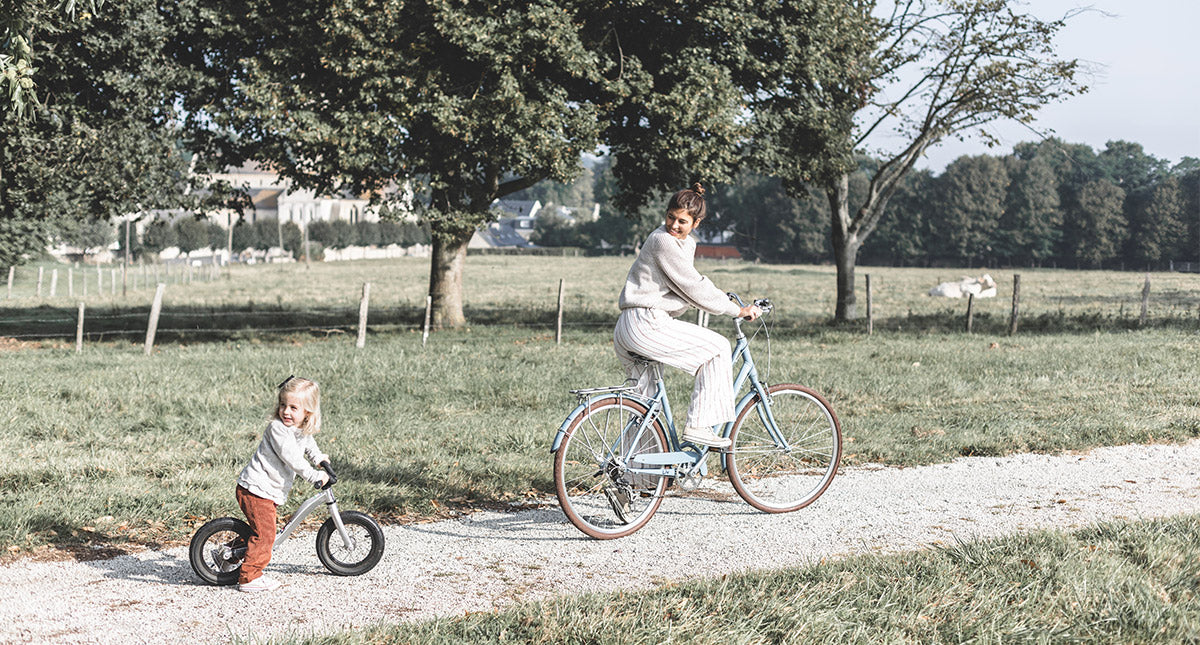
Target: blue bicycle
{"points": [[617, 453]]}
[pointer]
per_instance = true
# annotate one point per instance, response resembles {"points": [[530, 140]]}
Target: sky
{"points": [[1144, 84]]}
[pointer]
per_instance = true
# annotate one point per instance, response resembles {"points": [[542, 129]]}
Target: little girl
{"points": [[266, 481], [662, 284]]}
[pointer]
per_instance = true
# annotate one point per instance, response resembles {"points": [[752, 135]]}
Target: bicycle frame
{"points": [[658, 406], [307, 507]]}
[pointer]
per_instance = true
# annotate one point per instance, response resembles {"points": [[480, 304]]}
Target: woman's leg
{"points": [[698, 351]]}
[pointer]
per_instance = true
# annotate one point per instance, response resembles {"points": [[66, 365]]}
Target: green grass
{"points": [[1114, 583], [155, 443], [112, 448], [250, 301]]}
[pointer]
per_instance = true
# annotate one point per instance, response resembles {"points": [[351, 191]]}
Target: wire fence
{"points": [[51, 319]]}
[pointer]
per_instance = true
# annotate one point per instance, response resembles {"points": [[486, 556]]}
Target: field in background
{"points": [[265, 301], [109, 448]]}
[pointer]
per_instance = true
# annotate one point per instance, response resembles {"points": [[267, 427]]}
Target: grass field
{"points": [[111, 448], [250, 301]]}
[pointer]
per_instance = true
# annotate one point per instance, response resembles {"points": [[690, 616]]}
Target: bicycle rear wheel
{"points": [[217, 550], [785, 470], [595, 489]]}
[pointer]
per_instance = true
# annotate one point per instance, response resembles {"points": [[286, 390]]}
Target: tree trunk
{"points": [[446, 278], [845, 255], [845, 243]]}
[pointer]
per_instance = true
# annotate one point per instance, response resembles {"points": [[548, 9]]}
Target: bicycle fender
{"points": [[562, 429], [579, 409]]}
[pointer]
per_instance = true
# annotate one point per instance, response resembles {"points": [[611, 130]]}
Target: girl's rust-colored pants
{"points": [[260, 514]]}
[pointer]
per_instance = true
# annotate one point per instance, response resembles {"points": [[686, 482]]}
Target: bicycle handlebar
{"points": [[762, 303], [332, 477]]}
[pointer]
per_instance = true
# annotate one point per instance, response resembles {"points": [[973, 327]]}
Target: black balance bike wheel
{"points": [[366, 552], [218, 549]]}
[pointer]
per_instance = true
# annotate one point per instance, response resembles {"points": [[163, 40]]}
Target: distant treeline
{"points": [[1046, 204]]}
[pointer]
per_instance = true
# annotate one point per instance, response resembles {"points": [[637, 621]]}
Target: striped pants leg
{"points": [[700, 352]]}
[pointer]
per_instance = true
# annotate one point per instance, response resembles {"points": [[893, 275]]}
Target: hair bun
{"points": [[698, 188]]}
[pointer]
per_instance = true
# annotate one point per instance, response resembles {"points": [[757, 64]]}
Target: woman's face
{"points": [[679, 224]]}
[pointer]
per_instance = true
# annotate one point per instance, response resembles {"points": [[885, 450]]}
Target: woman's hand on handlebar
{"points": [[749, 312]]}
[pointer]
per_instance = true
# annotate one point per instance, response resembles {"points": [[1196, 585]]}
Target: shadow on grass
{"points": [[234, 322]]}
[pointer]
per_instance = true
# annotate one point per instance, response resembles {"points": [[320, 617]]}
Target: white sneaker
{"points": [[705, 437], [261, 583]]}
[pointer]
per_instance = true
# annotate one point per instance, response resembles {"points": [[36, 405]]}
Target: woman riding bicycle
{"points": [[662, 284]]}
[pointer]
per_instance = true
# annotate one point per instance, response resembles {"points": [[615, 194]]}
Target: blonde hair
{"points": [[309, 394]]}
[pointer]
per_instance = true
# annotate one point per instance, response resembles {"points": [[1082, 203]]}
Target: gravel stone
{"points": [[490, 560]]}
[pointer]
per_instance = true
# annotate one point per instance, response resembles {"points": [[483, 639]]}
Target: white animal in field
{"points": [[982, 287]]}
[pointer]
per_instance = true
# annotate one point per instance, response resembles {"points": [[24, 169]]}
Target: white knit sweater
{"points": [[280, 456], [664, 277]]}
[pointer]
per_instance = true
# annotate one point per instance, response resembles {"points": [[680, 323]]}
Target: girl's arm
{"points": [[284, 442]]}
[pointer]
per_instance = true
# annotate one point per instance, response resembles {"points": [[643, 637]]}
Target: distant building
{"points": [[274, 198], [512, 230]]}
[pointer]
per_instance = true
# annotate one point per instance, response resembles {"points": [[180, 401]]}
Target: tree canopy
{"points": [[100, 143]]}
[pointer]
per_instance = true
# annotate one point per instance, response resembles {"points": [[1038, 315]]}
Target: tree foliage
{"points": [[101, 143], [930, 69]]}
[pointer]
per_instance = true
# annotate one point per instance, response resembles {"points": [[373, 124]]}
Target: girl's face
{"points": [[290, 410], [679, 224]]}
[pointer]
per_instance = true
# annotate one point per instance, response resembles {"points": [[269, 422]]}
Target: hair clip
{"points": [[285, 381]]}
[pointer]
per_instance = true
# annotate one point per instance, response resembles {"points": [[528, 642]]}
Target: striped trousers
{"points": [[701, 352]]}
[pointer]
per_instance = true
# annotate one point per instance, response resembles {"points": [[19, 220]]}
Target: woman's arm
{"points": [[683, 278]]}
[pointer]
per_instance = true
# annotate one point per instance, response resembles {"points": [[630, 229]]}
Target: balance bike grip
{"points": [[329, 471]]}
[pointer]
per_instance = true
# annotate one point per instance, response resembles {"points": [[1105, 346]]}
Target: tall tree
{"points": [[1158, 232], [905, 237], [102, 143], [1032, 223], [767, 222], [969, 201], [1094, 226], [475, 99], [933, 69], [1188, 171]]}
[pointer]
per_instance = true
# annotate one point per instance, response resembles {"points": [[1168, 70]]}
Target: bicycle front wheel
{"points": [[595, 488], [365, 548], [786, 465]]}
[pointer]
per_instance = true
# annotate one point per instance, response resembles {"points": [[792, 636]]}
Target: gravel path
{"points": [[490, 560]]}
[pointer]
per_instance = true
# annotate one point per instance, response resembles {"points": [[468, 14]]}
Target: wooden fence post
{"points": [[70, 282], [870, 311], [11, 271], [1145, 301], [99, 281], [428, 309], [558, 325], [155, 309], [1016, 305], [125, 263], [41, 270], [362, 316], [53, 282], [970, 311], [79, 330]]}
